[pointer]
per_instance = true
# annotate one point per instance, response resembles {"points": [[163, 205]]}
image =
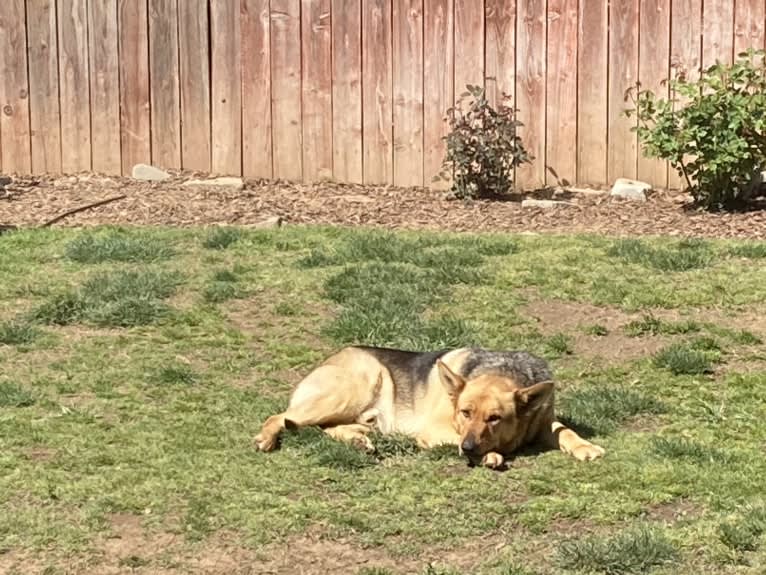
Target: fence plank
{"points": [[749, 28], [500, 49], [316, 40], [623, 74], [717, 32], [256, 89], [592, 94], [685, 53], [469, 44], [377, 92], [14, 89], [194, 68], [561, 100], [408, 92], [530, 89], [164, 84], [347, 90], [226, 88], [74, 89], [134, 84], [286, 88], [438, 83], [653, 73], [104, 86], [45, 119]]}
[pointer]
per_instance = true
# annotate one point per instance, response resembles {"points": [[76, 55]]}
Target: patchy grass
{"points": [[601, 410], [687, 358], [122, 298], [130, 418], [117, 245], [13, 395], [749, 250], [16, 332], [221, 238], [681, 256], [636, 550]]}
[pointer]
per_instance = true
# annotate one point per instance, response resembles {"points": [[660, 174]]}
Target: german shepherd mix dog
{"points": [[488, 403]]}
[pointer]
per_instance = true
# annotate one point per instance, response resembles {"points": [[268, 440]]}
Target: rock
{"points": [[5, 180], [149, 173], [232, 183], [269, 223], [545, 204], [630, 189]]}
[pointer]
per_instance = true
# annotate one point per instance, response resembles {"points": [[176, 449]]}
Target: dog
{"points": [[488, 403]]}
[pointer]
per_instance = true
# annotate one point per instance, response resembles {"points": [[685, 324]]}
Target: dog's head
{"points": [[492, 412]]}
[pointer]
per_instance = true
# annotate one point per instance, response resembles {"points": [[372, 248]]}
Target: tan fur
{"points": [[353, 392]]}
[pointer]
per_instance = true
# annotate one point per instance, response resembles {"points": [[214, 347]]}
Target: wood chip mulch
{"points": [[29, 202]]}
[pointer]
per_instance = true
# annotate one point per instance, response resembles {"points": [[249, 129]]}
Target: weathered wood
{"points": [[194, 68], [623, 74], [653, 74], [561, 100], [718, 32], [500, 49], [377, 92], [469, 44], [530, 89], [14, 89], [438, 84], [74, 85], [286, 88], [316, 41], [164, 83], [749, 25], [44, 111], [135, 107], [347, 90], [104, 86], [592, 95], [226, 88], [408, 92], [256, 89], [685, 53]]}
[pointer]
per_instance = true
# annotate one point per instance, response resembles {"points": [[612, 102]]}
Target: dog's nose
{"points": [[469, 445]]}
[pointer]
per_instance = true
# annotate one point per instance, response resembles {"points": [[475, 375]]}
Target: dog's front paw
{"points": [[265, 442], [493, 460], [587, 452]]}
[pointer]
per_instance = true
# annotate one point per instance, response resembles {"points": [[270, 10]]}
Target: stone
{"points": [[226, 182], [5, 180], [269, 223], [545, 204], [149, 173], [630, 189]]}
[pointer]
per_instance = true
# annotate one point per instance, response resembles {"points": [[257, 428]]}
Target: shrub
{"points": [[483, 147], [712, 131]]}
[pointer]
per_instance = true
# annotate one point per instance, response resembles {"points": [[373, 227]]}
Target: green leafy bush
{"points": [[712, 131], [483, 147]]}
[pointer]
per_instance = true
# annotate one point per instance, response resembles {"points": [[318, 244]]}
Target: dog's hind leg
{"points": [[329, 396]]}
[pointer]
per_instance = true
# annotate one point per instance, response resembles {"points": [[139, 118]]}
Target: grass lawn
{"points": [[136, 366]]}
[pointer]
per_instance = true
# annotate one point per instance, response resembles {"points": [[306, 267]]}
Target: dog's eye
{"points": [[494, 418], [465, 413]]}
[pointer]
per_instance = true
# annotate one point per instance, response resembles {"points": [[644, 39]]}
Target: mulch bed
{"points": [[31, 201]]}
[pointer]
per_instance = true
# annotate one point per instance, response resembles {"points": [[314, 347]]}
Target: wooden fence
{"points": [[353, 90]]}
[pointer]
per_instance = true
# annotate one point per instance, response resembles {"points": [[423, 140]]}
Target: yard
{"points": [[137, 364]]}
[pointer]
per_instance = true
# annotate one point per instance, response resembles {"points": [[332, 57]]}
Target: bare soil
{"points": [[31, 201]]}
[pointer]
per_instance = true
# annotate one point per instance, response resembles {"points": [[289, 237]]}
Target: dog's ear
{"points": [[534, 396], [452, 382]]}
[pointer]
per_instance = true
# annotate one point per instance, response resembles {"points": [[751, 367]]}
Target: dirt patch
{"points": [[33, 200], [571, 318], [673, 511]]}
